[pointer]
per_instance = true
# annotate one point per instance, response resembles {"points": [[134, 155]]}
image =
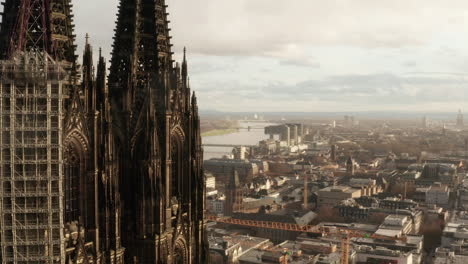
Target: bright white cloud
{"points": [[282, 28], [270, 27]]}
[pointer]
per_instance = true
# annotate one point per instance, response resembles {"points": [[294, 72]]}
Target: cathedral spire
{"points": [[194, 104], [134, 56], [157, 130], [88, 77], [184, 69], [101, 86], [184, 61], [32, 25]]}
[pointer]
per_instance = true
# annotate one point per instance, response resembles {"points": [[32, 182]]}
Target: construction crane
{"points": [[345, 233]]}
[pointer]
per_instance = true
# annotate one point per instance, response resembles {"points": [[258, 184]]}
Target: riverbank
{"points": [[238, 135], [218, 132]]}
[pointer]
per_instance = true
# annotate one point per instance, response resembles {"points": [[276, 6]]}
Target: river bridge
{"points": [[249, 128], [229, 145], [254, 121]]}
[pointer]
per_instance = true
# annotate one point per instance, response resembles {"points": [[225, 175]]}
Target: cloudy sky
{"points": [[313, 55]]}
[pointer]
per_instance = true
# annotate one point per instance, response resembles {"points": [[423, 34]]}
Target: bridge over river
{"points": [[246, 134], [228, 145]]}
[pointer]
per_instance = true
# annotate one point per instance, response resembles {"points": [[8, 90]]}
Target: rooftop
{"points": [[303, 217], [388, 232], [264, 257], [395, 220], [353, 226], [339, 188], [381, 251], [446, 256], [438, 188], [410, 241]]}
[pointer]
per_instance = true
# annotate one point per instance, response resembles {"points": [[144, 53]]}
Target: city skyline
{"points": [[317, 56]]}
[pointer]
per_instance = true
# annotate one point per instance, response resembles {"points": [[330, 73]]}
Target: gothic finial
{"points": [[194, 98], [87, 38], [184, 68]]}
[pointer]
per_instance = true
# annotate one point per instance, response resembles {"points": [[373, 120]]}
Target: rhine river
{"points": [[242, 136]]}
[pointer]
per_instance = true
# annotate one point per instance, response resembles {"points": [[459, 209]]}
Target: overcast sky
{"points": [[313, 55]]}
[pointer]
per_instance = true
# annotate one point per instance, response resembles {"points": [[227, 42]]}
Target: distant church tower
{"points": [[460, 122], [234, 195], [333, 153]]}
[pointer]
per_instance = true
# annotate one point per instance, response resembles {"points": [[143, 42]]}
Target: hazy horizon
{"points": [[338, 116]]}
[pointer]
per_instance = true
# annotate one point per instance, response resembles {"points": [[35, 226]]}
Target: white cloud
{"points": [[282, 28], [270, 27]]}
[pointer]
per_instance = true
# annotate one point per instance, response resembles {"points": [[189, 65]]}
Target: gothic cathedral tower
{"points": [[157, 138], [96, 170]]}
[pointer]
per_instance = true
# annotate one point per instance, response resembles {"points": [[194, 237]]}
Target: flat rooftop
{"points": [[340, 188]]}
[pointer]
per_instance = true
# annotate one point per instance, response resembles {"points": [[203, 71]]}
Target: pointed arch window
{"points": [[180, 252], [73, 169], [176, 169]]}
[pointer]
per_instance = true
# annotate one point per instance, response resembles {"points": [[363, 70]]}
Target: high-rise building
{"points": [[349, 121], [424, 122], [95, 171], [460, 119]]}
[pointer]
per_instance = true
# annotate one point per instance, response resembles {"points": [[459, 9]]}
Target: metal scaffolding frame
{"points": [[31, 191]]}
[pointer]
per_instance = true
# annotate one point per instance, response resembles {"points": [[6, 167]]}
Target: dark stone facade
{"points": [[133, 185]]}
